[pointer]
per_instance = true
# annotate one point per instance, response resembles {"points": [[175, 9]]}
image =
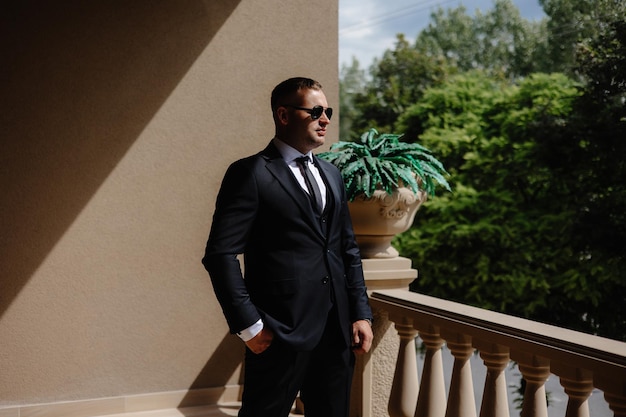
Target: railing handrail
{"points": [[539, 338]]}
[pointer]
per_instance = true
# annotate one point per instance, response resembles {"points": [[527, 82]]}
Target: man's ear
{"points": [[282, 115]]}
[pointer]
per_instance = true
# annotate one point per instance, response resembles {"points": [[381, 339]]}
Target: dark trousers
{"points": [[323, 376]]}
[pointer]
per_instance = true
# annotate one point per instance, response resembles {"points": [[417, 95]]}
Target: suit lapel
{"points": [[277, 166], [333, 186]]}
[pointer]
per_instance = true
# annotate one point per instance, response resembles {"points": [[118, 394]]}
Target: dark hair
{"points": [[290, 87]]}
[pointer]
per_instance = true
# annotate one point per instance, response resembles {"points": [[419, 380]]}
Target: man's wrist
{"points": [[250, 332], [368, 320]]}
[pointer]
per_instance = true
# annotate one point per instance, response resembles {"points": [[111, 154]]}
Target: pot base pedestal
{"points": [[388, 273], [376, 247]]}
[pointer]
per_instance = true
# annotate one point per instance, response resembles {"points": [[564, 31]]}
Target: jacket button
{"points": [[325, 280]]}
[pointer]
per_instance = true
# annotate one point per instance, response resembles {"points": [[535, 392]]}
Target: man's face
{"points": [[300, 130]]}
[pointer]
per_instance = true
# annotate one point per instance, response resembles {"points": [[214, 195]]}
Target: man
{"points": [[302, 309]]}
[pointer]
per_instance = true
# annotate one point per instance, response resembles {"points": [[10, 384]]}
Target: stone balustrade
{"points": [[581, 361]]}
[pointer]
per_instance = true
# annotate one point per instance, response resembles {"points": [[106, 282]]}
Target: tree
{"points": [[536, 224], [597, 173], [397, 81], [499, 41], [569, 21], [498, 238], [351, 83], [572, 23]]}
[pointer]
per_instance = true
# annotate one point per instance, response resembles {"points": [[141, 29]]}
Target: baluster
{"points": [[617, 403], [405, 386], [495, 400], [461, 397], [578, 384], [431, 401], [535, 370], [614, 386]]}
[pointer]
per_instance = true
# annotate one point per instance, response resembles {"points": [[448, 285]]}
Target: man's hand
{"points": [[261, 341], [362, 336]]}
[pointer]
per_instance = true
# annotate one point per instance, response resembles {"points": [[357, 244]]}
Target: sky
{"points": [[368, 27]]}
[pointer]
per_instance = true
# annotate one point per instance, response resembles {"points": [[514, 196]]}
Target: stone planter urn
{"points": [[377, 219]]}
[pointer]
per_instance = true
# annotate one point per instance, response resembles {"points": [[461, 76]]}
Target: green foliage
{"points": [[529, 119], [351, 83], [527, 230], [384, 162], [491, 237], [573, 24], [457, 106], [591, 159], [602, 58], [389, 91], [499, 41]]}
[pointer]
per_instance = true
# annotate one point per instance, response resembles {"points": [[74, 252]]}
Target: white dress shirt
{"points": [[290, 155]]}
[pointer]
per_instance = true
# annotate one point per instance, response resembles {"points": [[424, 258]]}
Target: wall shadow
{"points": [[222, 364], [79, 81]]}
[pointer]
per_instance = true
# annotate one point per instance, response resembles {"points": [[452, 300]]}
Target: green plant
{"points": [[382, 161]]}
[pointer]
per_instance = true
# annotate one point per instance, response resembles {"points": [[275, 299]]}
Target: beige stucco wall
{"points": [[118, 121]]}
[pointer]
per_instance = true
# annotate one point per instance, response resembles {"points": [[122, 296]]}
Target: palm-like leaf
{"points": [[382, 161]]}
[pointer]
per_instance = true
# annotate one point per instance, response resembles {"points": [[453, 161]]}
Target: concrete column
{"points": [[374, 373]]}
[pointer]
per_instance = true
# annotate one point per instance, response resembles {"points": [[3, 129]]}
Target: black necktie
{"points": [[311, 184]]}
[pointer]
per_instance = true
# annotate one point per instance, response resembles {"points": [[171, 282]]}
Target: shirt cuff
{"points": [[250, 332]]}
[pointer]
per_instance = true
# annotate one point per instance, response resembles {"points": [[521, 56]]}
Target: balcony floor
{"points": [[221, 410]]}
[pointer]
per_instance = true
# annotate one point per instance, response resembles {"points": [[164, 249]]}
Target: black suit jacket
{"points": [[297, 263]]}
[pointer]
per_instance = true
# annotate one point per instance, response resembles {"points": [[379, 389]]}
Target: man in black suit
{"points": [[302, 309]]}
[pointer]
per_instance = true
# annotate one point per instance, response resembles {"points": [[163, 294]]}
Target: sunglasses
{"points": [[315, 112]]}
